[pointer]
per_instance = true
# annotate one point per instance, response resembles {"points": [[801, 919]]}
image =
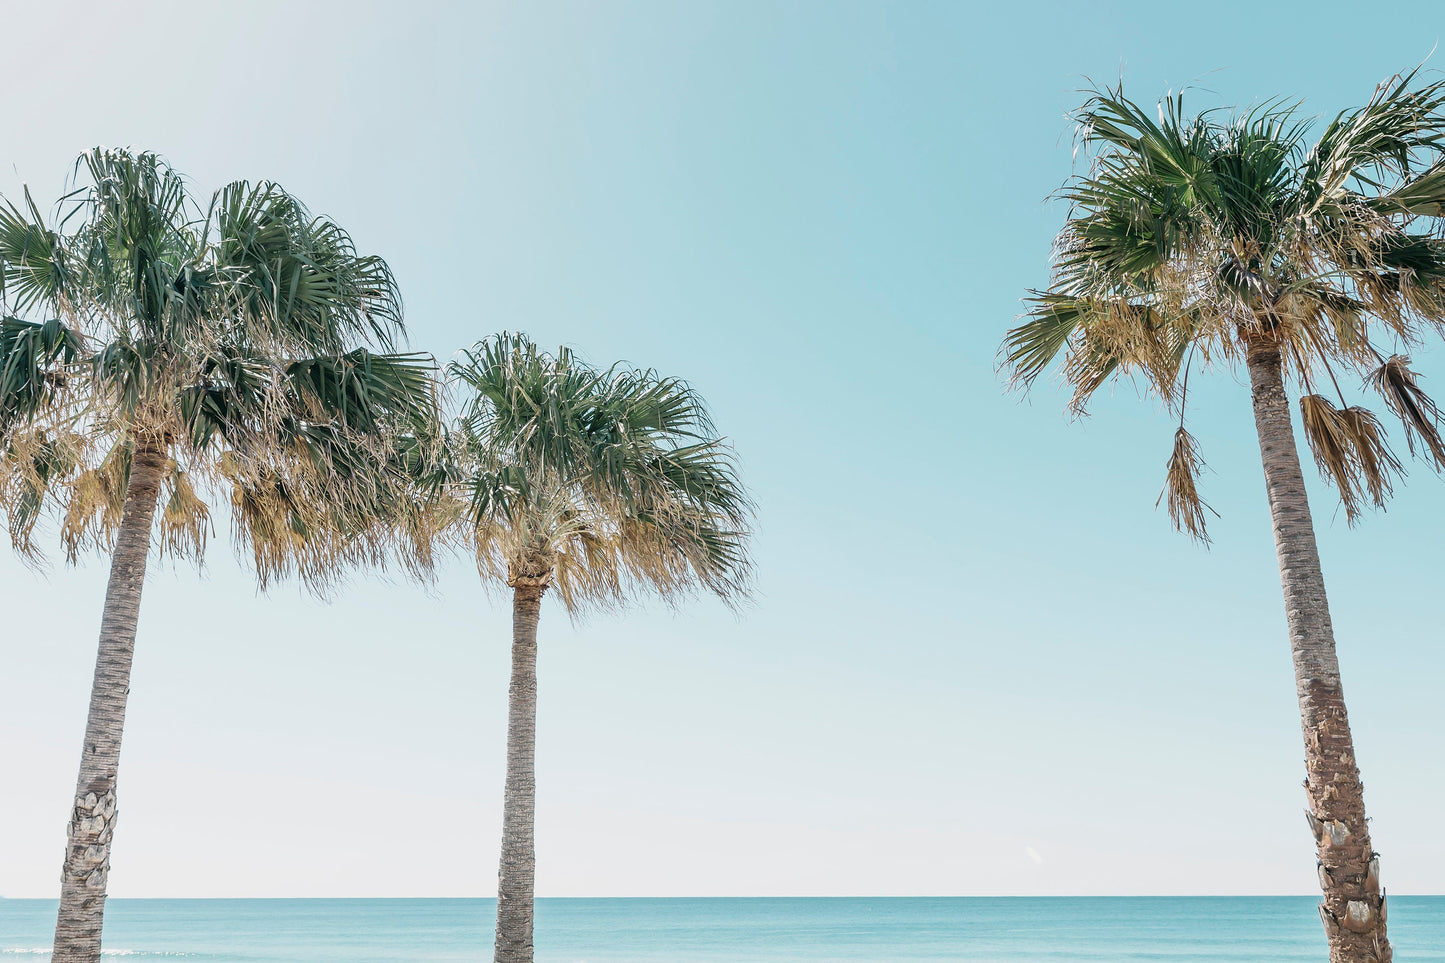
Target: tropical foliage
{"points": [[602, 484], [234, 338], [1192, 238], [1211, 240], [605, 482], [156, 351]]}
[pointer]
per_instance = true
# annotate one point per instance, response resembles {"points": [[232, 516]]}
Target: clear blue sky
{"points": [[979, 662]]}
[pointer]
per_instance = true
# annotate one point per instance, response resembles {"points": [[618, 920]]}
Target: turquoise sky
{"points": [[979, 662]]}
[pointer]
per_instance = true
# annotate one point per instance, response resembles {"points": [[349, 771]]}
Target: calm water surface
{"points": [[987, 930]]}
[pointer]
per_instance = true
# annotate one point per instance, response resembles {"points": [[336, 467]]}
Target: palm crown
{"points": [[598, 483], [1194, 240], [232, 339]]}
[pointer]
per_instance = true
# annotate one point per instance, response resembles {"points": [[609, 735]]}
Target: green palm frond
{"points": [[32, 258], [239, 338], [1216, 234], [298, 280], [1031, 347], [606, 482], [33, 359], [1423, 195], [1379, 142], [361, 389]]}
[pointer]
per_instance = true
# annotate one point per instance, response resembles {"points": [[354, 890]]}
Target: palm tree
{"points": [[1213, 239], [190, 349], [600, 485]]}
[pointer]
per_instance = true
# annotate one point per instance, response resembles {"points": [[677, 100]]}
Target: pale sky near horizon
{"points": [[980, 662]]}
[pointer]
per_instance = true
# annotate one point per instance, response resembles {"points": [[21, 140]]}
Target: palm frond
{"points": [[1379, 140], [239, 338], [95, 504], [1214, 234], [185, 520], [297, 280], [1423, 195], [1181, 487], [361, 389], [600, 483], [1419, 414], [139, 237], [1350, 449], [1031, 347], [32, 258], [35, 467], [33, 358]]}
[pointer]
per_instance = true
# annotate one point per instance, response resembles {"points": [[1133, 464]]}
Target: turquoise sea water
{"points": [[1005, 930]]}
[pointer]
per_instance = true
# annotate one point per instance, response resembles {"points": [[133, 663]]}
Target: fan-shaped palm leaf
{"points": [[1212, 239], [600, 484], [184, 353]]}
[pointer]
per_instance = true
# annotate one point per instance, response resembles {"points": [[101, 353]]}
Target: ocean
{"points": [[1271, 929]]}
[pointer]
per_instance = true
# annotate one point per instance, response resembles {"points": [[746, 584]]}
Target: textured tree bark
{"points": [[92, 819], [1353, 905], [517, 872]]}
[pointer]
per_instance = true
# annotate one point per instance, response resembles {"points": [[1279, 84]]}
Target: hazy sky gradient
{"points": [[979, 663]]}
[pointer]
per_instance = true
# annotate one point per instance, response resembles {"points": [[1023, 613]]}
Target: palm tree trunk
{"points": [[92, 820], [516, 875], [1353, 907]]}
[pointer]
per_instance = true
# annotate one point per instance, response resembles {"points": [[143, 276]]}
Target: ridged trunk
{"points": [[1353, 905], [92, 818], [516, 875]]}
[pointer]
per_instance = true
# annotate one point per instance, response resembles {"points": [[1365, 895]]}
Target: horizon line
{"points": [[234, 899]]}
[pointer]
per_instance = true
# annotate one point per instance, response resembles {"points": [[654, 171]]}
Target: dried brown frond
{"points": [[35, 466], [241, 340], [97, 501], [1350, 449], [284, 531], [1181, 487], [546, 536], [1400, 388], [185, 521], [1125, 337], [427, 528], [1234, 237]]}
